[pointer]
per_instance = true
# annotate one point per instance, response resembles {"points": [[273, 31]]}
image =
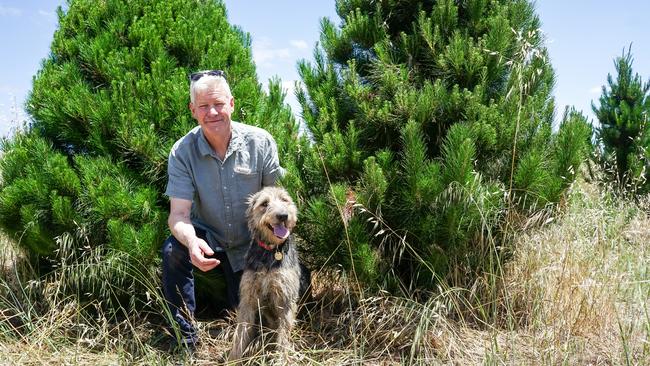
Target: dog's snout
{"points": [[282, 216]]}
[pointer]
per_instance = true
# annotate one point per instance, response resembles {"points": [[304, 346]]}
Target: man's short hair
{"points": [[207, 82]]}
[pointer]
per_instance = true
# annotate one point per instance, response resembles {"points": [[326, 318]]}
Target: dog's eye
{"points": [[264, 204]]}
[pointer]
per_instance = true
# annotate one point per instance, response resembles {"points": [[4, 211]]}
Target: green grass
{"points": [[574, 291]]}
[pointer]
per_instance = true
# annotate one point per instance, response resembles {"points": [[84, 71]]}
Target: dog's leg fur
{"points": [[245, 322], [287, 308], [285, 326]]}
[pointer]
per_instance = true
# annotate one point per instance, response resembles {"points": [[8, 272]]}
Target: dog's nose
{"points": [[282, 216]]}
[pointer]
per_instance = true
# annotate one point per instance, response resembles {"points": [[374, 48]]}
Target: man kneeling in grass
{"points": [[211, 172]]}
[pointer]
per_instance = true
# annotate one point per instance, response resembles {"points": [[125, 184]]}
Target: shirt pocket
{"points": [[247, 176]]}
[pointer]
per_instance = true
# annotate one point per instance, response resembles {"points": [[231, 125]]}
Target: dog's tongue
{"points": [[280, 231]]}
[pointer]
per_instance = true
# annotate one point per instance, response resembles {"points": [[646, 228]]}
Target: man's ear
{"points": [[191, 107]]}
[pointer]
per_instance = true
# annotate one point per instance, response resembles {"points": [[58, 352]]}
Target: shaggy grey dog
{"points": [[271, 283]]}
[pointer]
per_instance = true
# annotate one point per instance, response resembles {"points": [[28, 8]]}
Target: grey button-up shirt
{"points": [[219, 189]]}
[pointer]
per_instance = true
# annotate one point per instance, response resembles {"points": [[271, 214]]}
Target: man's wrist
{"points": [[192, 242]]}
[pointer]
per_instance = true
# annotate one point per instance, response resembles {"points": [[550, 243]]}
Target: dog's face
{"points": [[271, 215]]}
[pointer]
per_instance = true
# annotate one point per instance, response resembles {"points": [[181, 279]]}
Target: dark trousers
{"points": [[178, 282]]}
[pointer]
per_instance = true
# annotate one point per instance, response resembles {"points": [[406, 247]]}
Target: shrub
{"points": [[624, 131], [431, 119]]}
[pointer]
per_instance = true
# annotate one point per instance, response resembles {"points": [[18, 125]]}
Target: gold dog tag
{"points": [[278, 256]]}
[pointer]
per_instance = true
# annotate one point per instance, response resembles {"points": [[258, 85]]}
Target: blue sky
{"points": [[583, 38]]}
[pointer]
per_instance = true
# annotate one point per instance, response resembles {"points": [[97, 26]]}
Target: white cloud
{"points": [[298, 43], [47, 14], [595, 89], [264, 54], [44, 18], [289, 85], [9, 11]]}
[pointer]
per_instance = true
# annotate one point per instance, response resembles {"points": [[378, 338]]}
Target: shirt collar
{"points": [[204, 146], [236, 141]]}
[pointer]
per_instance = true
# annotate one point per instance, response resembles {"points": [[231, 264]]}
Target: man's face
{"points": [[212, 109]]}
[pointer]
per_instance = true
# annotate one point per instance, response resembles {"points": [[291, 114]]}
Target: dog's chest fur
{"points": [[268, 278], [259, 259]]}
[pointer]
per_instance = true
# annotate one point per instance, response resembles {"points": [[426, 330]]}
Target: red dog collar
{"points": [[264, 245]]}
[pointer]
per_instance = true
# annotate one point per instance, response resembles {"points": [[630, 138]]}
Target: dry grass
{"points": [[575, 291], [581, 285]]}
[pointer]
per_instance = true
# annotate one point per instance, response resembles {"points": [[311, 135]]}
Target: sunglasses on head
{"points": [[199, 74]]}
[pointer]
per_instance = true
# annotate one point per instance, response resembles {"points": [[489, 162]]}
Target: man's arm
{"points": [[183, 230]]}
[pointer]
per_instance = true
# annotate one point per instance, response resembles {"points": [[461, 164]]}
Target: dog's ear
{"points": [[250, 202], [252, 198]]}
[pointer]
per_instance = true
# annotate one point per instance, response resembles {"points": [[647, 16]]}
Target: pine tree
{"points": [[429, 120], [624, 130], [107, 105]]}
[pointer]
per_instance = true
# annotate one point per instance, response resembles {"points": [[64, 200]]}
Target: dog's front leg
{"points": [[245, 321], [285, 322], [243, 332]]}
